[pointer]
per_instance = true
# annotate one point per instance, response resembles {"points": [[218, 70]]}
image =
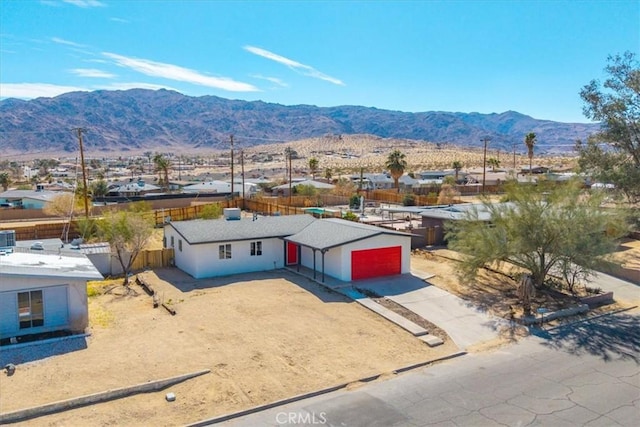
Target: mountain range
{"points": [[139, 120]]}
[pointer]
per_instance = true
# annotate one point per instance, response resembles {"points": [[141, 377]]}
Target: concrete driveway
{"points": [[464, 323]]}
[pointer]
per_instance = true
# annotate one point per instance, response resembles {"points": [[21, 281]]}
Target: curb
{"points": [[598, 316], [90, 399], [260, 408]]}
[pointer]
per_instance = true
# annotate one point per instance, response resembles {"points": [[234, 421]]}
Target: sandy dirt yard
{"points": [[264, 336]]}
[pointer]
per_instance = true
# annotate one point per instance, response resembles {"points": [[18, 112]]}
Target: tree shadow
{"points": [[610, 337]]}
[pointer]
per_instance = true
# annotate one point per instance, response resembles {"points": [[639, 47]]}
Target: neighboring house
{"points": [[28, 199], [373, 181], [318, 185], [535, 169], [139, 188], [437, 175], [342, 249], [43, 291], [208, 187], [250, 189], [436, 217]]}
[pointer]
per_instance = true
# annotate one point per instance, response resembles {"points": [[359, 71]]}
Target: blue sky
{"points": [[467, 56]]}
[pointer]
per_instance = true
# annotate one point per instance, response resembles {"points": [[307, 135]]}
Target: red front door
{"points": [[292, 253]]}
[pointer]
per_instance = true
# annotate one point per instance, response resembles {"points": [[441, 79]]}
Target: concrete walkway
{"points": [[464, 323], [623, 291]]}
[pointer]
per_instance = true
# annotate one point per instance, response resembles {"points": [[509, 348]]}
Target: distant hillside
{"points": [[144, 120]]}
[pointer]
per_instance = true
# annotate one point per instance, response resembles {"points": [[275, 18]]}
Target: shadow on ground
{"points": [[40, 350], [186, 283], [609, 337]]}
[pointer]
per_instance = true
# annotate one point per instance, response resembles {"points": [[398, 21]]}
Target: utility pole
{"points": [[514, 156], [231, 139], [288, 153], [242, 173], [84, 174], [485, 140]]}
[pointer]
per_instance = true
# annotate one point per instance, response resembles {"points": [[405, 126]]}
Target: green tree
{"points": [[328, 173], [350, 216], [162, 165], [457, 166], [5, 180], [396, 163], [127, 232], [211, 211], [313, 167], [305, 190], [530, 142], [99, 188], [613, 154], [494, 163], [544, 228]]}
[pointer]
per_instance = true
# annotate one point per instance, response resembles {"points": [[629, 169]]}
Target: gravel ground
{"points": [[38, 350]]}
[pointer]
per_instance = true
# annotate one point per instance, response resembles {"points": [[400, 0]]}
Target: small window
{"points": [[180, 245], [224, 251], [172, 242], [256, 248], [30, 309], [164, 242]]}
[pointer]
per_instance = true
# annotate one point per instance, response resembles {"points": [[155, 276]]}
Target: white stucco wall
{"points": [[203, 260], [74, 316], [337, 261]]}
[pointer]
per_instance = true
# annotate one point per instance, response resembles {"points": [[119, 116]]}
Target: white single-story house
{"points": [[318, 185], [130, 189], [28, 199], [342, 249], [43, 291]]}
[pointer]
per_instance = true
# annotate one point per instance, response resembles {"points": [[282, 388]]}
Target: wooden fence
{"points": [[157, 258]]}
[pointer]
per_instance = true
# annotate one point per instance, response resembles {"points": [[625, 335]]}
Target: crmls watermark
{"points": [[305, 418]]}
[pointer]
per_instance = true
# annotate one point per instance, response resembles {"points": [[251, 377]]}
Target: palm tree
{"points": [[5, 180], [162, 167], [530, 141], [396, 164], [494, 163], [313, 167], [457, 166]]}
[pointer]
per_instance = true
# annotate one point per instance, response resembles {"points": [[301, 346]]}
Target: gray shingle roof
{"points": [[220, 230], [332, 232]]}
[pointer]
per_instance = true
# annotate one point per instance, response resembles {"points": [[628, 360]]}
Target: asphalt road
{"points": [[585, 374]]}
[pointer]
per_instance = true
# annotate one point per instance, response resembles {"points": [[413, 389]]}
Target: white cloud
{"points": [[85, 3], [66, 42], [175, 72], [274, 80], [306, 70], [127, 86], [35, 90], [120, 20], [92, 72]]}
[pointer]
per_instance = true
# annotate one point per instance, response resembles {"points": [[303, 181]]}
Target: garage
{"points": [[369, 263]]}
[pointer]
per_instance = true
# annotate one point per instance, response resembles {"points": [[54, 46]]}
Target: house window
{"points": [[172, 242], [30, 309], [164, 242], [224, 251], [180, 245], [256, 248]]}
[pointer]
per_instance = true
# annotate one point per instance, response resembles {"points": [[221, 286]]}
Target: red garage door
{"points": [[370, 263]]}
